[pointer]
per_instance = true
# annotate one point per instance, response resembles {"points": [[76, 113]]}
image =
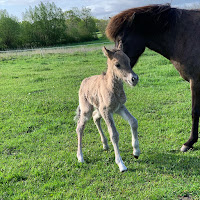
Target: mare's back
{"points": [[92, 84], [187, 42]]}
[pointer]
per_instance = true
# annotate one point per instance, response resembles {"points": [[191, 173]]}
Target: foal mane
{"points": [[147, 19]]}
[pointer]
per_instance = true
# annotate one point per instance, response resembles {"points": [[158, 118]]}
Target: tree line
{"points": [[47, 25]]}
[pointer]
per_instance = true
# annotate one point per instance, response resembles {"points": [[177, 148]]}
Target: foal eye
{"points": [[117, 65]]}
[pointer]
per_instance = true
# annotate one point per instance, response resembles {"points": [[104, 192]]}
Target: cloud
{"points": [[99, 8], [105, 8], [187, 4], [18, 2], [25, 3], [109, 8]]}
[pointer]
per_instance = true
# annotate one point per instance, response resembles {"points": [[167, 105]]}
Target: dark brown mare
{"points": [[175, 34]]}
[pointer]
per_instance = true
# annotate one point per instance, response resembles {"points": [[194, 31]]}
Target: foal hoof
{"points": [[123, 169], [185, 148], [136, 153], [105, 147], [80, 159]]}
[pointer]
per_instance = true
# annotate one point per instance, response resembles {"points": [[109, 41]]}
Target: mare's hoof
{"points": [[185, 148], [136, 156]]}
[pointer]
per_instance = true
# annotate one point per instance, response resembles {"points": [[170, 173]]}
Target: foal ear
{"points": [[131, 20], [107, 53], [120, 45]]}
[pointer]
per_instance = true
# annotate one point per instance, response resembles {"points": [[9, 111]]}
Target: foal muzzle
{"points": [[132, 79]]}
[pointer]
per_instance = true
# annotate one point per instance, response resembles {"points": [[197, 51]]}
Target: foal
{"points": [[102, 95]]}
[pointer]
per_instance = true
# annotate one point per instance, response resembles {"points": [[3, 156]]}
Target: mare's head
{"points": [[119, 66], [137, 26]]}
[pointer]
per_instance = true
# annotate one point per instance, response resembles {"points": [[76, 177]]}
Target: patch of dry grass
{"points": [[54, 50]]}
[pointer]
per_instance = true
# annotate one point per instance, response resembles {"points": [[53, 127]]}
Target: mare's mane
{"points": [[147, 19]]}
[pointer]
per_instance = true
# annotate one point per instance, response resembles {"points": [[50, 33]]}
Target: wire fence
{"points": [[54, 50]]}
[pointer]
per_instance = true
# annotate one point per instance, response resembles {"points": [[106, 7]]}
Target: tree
{"points": [[89, 25], [26, 38], [48, 24], [72, 23], [81, 25], [101, 25], [45, 25], [9, 31]]}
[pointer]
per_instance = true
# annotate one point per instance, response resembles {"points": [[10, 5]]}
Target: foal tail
{"points": [[78, 113]]}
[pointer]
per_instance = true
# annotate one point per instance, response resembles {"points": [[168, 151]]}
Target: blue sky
{"points": [[99, 8]]}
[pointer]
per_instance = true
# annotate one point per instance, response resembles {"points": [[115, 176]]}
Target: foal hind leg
{"points": [[134, 125], [97, 121], [84, 117]]}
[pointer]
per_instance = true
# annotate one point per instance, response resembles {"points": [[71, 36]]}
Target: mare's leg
{"points": [[114, 136], [85, 115], [195, 89], [134, 125], [97, 121]]}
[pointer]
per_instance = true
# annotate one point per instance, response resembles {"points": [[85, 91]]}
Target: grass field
{"points": [[38, 142]]}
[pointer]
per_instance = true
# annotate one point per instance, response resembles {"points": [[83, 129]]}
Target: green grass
{"points": [[38, 142]]}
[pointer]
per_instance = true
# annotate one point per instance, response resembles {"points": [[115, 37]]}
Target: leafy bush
{"points": [[46, 25]]}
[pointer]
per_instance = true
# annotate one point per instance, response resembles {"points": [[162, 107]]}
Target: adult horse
{"points": [[172, 32]]}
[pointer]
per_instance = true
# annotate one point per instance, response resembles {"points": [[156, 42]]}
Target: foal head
{"points": [[119, 66]]}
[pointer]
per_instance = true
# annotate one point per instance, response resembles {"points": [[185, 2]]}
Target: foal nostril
{"points": [[135, 79]]}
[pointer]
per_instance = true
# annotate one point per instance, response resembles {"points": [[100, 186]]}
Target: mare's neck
{"points": [[163, 43]]}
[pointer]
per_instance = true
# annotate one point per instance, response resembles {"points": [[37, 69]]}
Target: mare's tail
{"points": [[78, 113]]}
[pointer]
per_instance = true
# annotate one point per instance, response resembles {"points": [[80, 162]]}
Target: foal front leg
{"points": [[195, 89], [114, 136], [124, 113]]}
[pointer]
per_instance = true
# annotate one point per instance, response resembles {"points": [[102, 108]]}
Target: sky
{"points": [[101, 9]]}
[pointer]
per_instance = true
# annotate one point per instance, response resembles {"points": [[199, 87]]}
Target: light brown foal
{"points": [[101, 96]]}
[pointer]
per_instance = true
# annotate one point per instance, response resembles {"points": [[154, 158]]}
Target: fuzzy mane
{"points": [[114, 50], [148, 18]]}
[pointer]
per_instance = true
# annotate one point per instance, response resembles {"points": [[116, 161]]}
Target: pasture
{"points": [[38, 141]]}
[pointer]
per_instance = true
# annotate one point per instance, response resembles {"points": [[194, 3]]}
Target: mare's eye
{"points": [[117, 65]]}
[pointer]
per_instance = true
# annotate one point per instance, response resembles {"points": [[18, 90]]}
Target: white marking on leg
{"points": [[118, 158]]}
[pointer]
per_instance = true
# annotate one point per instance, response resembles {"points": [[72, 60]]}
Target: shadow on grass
{"points": [[173, 162]]}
